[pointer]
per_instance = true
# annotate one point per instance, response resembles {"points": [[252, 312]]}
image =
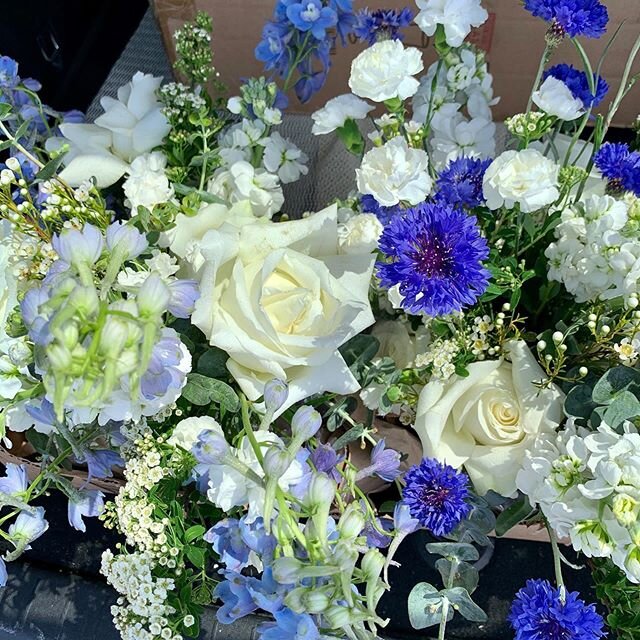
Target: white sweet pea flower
{"points": [[283, 158], [280, 301], [147, 184], [457, 17], [337, 111], [487, 421], [555, 98], [395, 172], [131, 125], [243, 183], [524, 177], [385, 71]]}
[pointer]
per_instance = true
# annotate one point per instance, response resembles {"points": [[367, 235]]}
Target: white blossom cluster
{"points": [[480, 340], [147, 184], [596, 255], [141, 612], [587, 485], [440, 355], [179, 101]]}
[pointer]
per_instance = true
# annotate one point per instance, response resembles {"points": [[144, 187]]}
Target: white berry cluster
{"points": [[142, 611]]}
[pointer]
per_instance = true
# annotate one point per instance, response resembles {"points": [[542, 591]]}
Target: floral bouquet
{"points": [[246, 380]]}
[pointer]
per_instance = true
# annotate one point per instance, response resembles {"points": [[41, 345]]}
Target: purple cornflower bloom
{"points": [[578, 84], [620, 166], [436, 495], [460, 184], [539, 613], [369, 204], [382, 24], [435, 254], [571, 17]]}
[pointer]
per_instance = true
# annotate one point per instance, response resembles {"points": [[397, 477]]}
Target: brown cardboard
{"points": [[513, 39]]}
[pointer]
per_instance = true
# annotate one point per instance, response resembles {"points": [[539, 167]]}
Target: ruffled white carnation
{"points": [[147, 184], [395, 172], [457, 17], [385, 71], [337, 111], [556, 99], [360, 234]]}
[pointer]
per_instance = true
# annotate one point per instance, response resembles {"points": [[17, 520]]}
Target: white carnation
{"points": [[457, 17], [147, 184], [555, 98], [337, 111], [359, 234]]}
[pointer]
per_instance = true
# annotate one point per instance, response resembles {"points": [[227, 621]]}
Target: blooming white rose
{"points": [[283, 158], [147, 184], [395, 172], [385, 71], [337, 111], [130, 126], [457, 17], [243, 183], [487, 421], [522, 177], [360, 233], [280, 301], [555, 98], [186, 432]]}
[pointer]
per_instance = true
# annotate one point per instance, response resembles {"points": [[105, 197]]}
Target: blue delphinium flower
{"points": [[571, 17], [100, 462], [289, 626], [539, 613], [385, 463], [15, 481], [460, 184], [272, 49], [620, 166], [8, 73], [346, 18], [382, 24], [311, 15], [578, 84], [236, 599], [435, 254], [369, 204], [436, 495], [4, 576], [88, 503]]}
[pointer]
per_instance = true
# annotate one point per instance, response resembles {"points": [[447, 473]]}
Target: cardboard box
{"points": [[512, 38]]}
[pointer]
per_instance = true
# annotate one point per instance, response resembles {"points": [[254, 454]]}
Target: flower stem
{"points": [[557, 561], [546, 55]]}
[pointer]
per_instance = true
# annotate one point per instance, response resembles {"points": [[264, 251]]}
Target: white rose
{"points": [[243, 183], [147, 184], [487, 421], [522, 177], [555, 98], [337, 111], [395, 172], [280, 301], [360, 234], [130, 126], [457, 17], [385, 71], [187, 431]]}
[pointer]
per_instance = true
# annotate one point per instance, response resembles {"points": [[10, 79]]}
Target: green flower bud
{"points": [[352, 521]]}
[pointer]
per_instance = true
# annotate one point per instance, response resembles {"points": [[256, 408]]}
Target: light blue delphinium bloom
{"points": [[88, 503]]}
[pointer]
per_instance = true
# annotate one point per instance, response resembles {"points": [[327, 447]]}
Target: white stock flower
{"points": [[385, 71], [280, 301], [555, 98], [242, 183], [186, 432], [455, 136], [283, 158], [337, 111], [432, 93], [395, 172], [131, 125], [147, 184], [524, 177], [8, 283], [456, 16], [360, 233], [486, 421]]}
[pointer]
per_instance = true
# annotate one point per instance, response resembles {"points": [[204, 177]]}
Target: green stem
{"points": [[557, 561], [546, 54]]}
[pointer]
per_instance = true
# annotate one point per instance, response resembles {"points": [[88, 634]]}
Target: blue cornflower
{"points": [[538, 613], [369, 204], [289, 626], [460, 184], [436, 495], [435, 254], [571, 17], [382, 24], [311, 15], [578, 84], [620, 166]]}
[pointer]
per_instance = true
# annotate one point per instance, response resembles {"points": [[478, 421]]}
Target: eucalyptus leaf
{"points": [[458, 574], [462, 602], [213, 363], [456, 550], [579, 402], [201, 390], [353, 434], [425, 606], [513, 515], [625, 406], [613, 381]]}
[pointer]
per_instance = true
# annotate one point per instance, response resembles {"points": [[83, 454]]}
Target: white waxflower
{"points": [[360, 233], [455, 136], [628, 349], [244, 183], [337, 111], [524, 177], [385, 71], [457, 17], [285, 159], [395, 172], [147, 184], [555, 98]]}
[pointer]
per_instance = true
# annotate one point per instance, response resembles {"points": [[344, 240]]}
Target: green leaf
{"points": [[213, 363], [614, 381], [425, 606], [225, 396], [196, 531], [462, 574], [184, 190], [361, 348], [22, 130], [349, 134], [455, 550], [5, 110], [196, 556], [353, 434], [201, 390], [463, 603], [49, 169], [625, 406], [512, 515]]}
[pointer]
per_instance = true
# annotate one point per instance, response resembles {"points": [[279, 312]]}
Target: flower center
{"points": [[435, 496], [554, 630], [311, 13], [432, 257]]}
